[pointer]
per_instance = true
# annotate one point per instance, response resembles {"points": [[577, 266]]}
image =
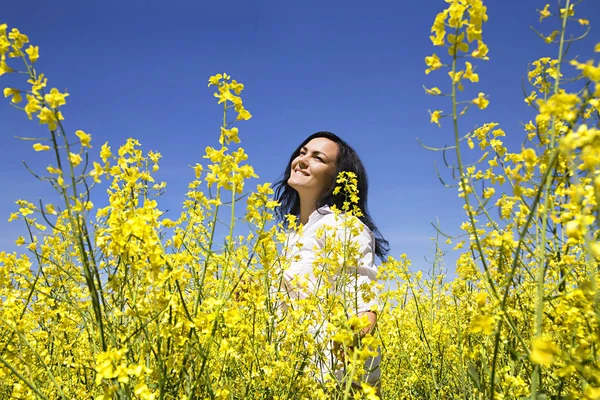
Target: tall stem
{"points": [[539, 311]]}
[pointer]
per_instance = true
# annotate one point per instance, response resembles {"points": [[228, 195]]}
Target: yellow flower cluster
{"points": [[521, 316], [123, 302], [462, 19]]}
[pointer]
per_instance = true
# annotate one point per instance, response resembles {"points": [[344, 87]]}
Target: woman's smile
{"points": [[313, 170]]}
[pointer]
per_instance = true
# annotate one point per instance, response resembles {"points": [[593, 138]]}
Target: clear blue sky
{"points": [[140, 68]]}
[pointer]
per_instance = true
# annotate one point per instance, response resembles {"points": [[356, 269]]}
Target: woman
{"points": [[307, 191]]}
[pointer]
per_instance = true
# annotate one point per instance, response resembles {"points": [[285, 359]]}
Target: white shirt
{"points": [[303, 249]]}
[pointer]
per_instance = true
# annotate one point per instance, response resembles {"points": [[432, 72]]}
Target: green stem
{"points": [[230, 245], [539, 312], [465, 183], [74, 222], [22, 378], [37, 356]]}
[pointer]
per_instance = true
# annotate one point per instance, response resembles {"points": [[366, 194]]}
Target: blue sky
{"points": [[140, 69]]}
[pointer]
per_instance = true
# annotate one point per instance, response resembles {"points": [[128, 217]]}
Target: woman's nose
{"points": [[302, 161]]}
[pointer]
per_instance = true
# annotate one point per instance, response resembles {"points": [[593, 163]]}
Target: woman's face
{"points": [[313, 170]]}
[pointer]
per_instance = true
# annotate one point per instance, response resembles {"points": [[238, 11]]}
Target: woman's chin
{"points": [[296, 182]]}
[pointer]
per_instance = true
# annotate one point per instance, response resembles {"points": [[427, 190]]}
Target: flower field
{"points": [[121, 302]]}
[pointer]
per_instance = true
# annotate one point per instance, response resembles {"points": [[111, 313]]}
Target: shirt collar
{"points": [[318, 214]]}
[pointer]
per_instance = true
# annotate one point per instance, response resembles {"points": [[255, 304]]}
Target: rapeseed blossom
{"points": [[121, 301]]}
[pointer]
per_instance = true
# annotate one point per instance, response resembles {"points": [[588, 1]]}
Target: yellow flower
{"points": [[550, 38], [143, 391], [41, 147], [75, 159], [26, 208], [97, 172], [33, 52], [198, 168], [4, 68], [38, 84], [433, 91], [469, 74], [15, 93], [55, 98], [105, 152], [483, 323], [439, 29], [214, 80], [225, 95], [435, 117], [583, 21], [33, 105], [481, 101], [457, 79], [595, 248], [480, 298], [46, 116], [543, 351], [488, 192], [229, 135], [20, 241], [84, 138], [456, 11], [529, 99], [481, 51], [457, 44], [50, 209], [52, 170], [236, 87], [244, 114], [433, 62], [588, 70], [369, 392], [592, 393], [544, 13], [473, 32], [570, 12], [18, 39]]}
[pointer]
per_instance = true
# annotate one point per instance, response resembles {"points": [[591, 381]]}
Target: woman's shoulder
{"points": [[336, 219]]}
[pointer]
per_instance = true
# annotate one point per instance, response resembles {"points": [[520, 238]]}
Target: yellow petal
{"points": [[543, 351], [40, 147]]}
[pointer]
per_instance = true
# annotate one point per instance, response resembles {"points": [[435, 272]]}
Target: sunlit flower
{"points": [[543, 351], [75, 159], [15, 93], [544, 13], [55, 98], [33, 52], [435, 117], [481, 101], [84, 138], [433, 62], [41, 147]]}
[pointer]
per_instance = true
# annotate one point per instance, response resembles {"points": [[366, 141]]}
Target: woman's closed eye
{"points": [[316, 156]]}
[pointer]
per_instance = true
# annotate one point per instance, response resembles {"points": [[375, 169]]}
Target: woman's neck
{"points": [[306, 209]]}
